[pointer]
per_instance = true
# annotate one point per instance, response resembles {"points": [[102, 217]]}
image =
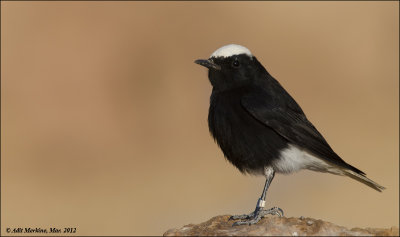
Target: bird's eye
{"points": [[236, 63]]}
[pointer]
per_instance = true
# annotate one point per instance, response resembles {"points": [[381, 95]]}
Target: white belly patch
{"points": [[294, 158]]}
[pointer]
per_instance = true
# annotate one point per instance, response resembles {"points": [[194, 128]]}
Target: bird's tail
{"points": [[363, 179]]}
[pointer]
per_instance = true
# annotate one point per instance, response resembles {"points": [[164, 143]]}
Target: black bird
{"points": [[260, 127]]}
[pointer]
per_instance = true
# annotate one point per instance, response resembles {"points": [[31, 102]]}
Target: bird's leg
{"points": [[259, 212]]}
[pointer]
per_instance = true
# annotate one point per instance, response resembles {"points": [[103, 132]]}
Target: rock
{"points": [[273, 225]]}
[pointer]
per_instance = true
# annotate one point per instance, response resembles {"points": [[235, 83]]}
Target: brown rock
{"points": [[273, 225]]}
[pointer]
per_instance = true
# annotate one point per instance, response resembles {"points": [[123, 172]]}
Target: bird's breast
{"points": [[245, 142]]}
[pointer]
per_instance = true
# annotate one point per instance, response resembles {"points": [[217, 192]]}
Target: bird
{"points": [[261, 129]]}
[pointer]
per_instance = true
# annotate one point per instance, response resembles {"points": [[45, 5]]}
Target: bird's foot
{"points": [[255, 216]]}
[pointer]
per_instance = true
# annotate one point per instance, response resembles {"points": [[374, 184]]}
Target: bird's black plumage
{"points": [[246, 143], [252, 117], [260, 127], [292, 125]]}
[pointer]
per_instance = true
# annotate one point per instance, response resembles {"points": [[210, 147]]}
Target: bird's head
{"points": [[230, 66]]}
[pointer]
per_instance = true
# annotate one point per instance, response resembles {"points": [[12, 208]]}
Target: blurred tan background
{"points": [[104, 113]]}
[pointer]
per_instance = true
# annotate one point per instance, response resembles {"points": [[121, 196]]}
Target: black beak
{"points": [[208, 64]]}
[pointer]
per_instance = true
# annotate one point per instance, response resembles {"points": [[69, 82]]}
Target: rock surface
{"points": [[273, 225]]}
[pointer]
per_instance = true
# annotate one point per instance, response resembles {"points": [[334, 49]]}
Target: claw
{"points": [[273, 211], [256, 216], [245, 216], [281, 211], [236, 223], [249, 222]]}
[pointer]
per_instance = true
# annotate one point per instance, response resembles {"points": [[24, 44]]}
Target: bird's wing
{"points": [[292, 125]]}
